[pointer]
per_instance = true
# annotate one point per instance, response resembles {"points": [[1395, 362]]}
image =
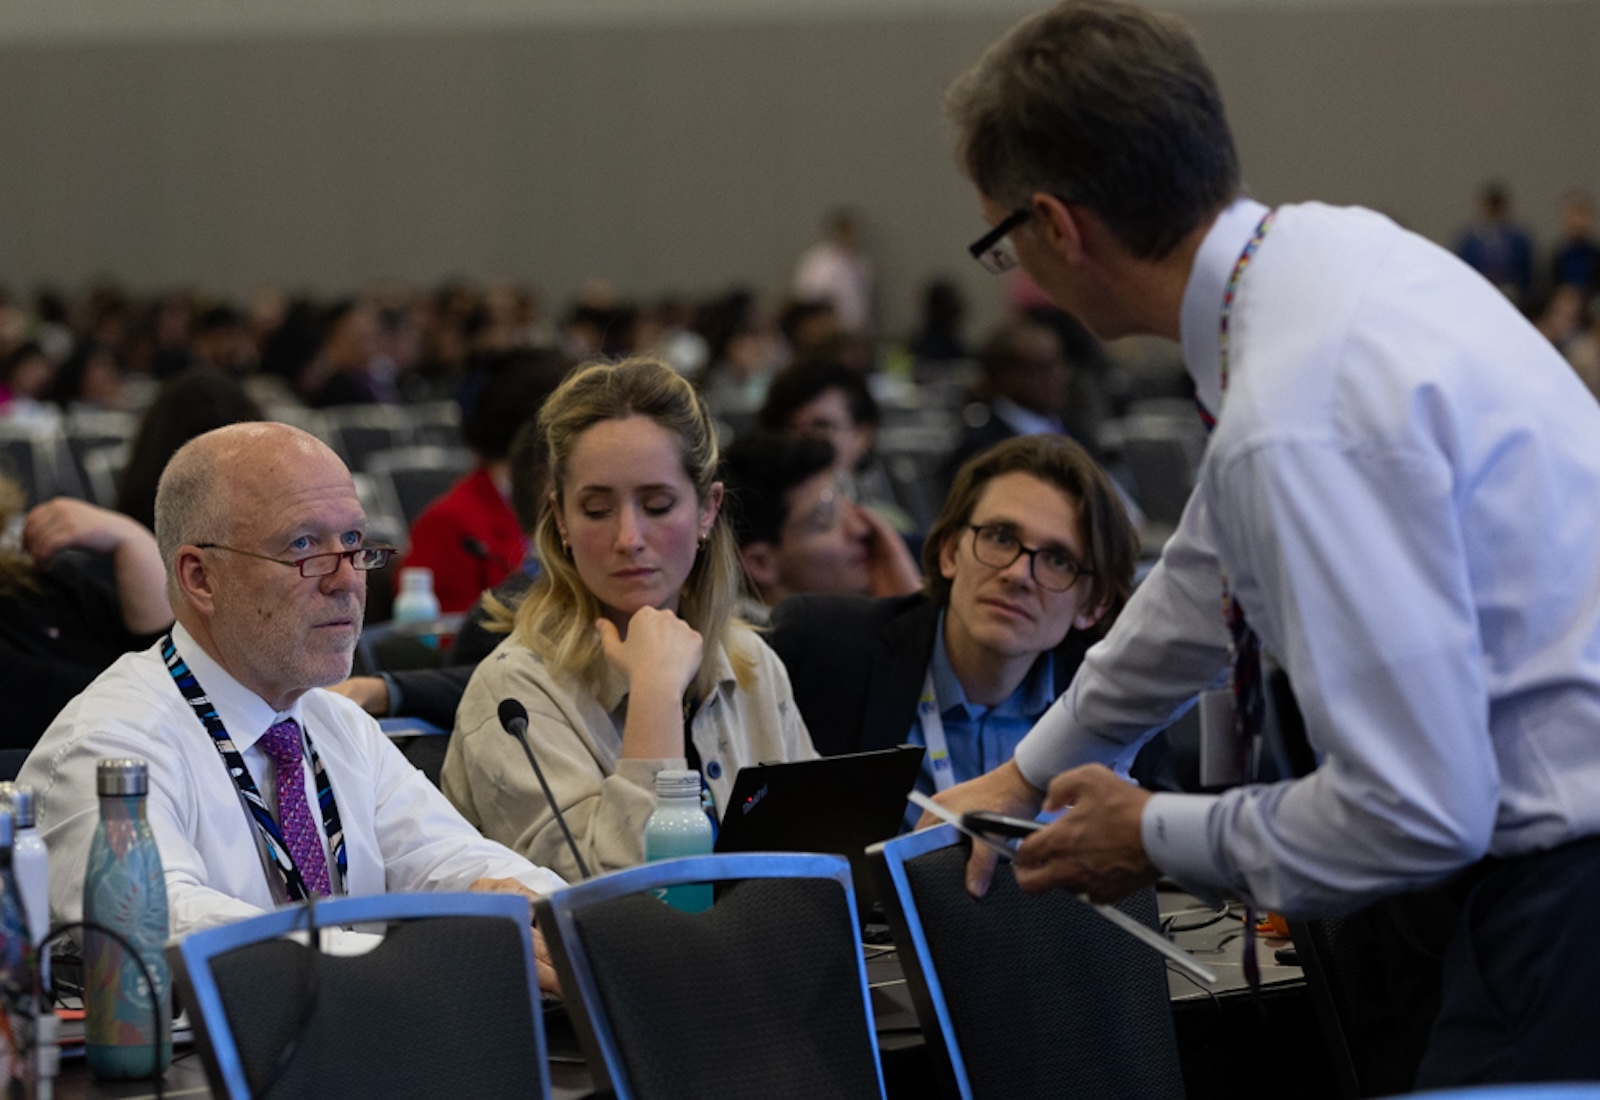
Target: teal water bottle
{"points": [[679, 827], [18, 1001], [123, 890]]}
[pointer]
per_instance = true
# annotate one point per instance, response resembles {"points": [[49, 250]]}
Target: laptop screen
{"points": [[837, 804]]}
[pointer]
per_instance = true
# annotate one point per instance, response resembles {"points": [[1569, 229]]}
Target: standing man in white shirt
{"points": [[264, 543], [1398, 504]]}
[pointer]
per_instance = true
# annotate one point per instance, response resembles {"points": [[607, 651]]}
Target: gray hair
{"points": [[189, 506]]}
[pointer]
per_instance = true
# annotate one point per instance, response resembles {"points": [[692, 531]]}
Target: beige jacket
{"points": [[576, 737]]}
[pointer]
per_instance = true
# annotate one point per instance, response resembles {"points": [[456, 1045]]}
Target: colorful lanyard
{"points": [[1229, 293], [933, 735], [1232, 289], [1245, 644], [266, 826]]}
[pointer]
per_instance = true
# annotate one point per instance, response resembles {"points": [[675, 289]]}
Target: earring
{"points": [[705, 540]]}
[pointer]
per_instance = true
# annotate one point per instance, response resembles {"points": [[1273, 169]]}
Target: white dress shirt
{"points": [[400, 833], [1403, 490]]}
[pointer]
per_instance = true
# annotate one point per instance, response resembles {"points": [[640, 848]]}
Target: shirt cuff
{"points": [[1176, 835], [642, 772], [541, 880], [346, 941], [1057, 742]]}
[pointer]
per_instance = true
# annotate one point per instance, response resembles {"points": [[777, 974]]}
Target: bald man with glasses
{"points": [[264, 788]]}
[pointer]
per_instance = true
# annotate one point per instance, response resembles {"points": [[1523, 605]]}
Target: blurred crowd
{"points": [[1558, 287]]}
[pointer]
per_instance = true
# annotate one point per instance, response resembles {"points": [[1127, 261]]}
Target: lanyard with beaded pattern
{"points": [[1249, 699]]}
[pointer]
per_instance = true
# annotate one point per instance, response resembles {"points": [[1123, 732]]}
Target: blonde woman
{"points": [[626, 652]]}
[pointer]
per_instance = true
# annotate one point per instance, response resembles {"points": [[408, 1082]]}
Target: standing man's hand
{"points": [[1096, 848], [1003, 790]]}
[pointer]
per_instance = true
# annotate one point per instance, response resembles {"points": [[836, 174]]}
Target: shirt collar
{"points": [[1031, 699], [1202, 298], [244, 714]]}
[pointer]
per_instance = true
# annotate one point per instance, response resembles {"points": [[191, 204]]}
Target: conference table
{"points": [[1284, 1043], [186, 1079]]}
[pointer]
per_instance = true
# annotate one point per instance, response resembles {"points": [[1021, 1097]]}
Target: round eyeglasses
{"points": [[1052, 568], [363, 559]]}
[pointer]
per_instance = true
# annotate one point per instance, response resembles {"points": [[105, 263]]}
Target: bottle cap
{"points": [[677, 783], [122, 777], [19, 797], [416, 578]]}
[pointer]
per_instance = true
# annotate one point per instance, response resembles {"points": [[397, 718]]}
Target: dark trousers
{"points": [[1520, 993]]}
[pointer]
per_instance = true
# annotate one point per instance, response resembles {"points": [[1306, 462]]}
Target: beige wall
{"points": [[684, 153]]}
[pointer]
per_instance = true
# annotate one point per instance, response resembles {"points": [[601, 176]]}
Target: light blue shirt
{"points": [[1402, 491], [980, 738], [1026, 421]]}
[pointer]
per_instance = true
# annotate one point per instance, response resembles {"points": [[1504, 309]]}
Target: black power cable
{"points": [[161, 1030]]}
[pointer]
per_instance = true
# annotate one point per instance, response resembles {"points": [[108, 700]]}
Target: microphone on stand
{"points": [[514, 719], [480, 550]]}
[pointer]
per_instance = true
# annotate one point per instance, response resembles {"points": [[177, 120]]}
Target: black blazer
{"points": [[858, 665]]}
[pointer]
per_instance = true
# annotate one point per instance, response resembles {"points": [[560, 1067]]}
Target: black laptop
{"points": [[837, 804]]}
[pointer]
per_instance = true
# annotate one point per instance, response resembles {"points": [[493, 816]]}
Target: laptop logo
{"points": [[750, 803]]}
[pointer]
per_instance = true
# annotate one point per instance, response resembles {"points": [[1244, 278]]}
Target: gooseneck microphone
{"points": [[514, 719], [480, 550]]}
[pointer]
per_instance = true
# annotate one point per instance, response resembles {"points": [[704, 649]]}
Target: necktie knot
{"points": [[282, 743]]}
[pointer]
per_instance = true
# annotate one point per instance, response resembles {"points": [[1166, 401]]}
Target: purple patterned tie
{"points": [[1249, 698], [282, 744]]}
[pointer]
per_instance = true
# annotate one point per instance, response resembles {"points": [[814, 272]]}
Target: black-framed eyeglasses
{"points": [[994, 249], [1052, 568], [362, 559]]}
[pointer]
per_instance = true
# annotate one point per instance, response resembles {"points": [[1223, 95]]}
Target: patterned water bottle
{"points": [[680, 827], [123, 890], [19, 1005]]}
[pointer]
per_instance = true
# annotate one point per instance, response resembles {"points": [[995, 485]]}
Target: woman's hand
{"points": [[659, 658], [659, 647]]}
